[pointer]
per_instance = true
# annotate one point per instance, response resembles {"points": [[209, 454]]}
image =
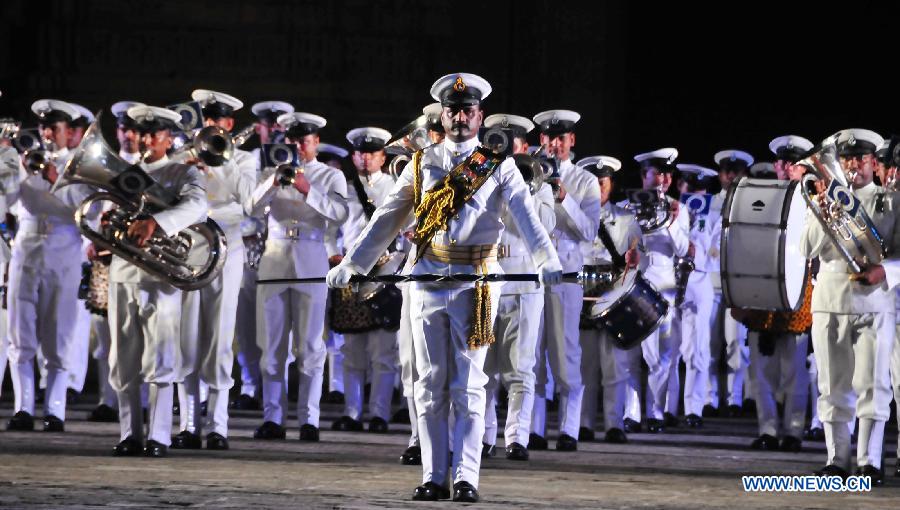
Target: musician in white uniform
{"points": [[298, 216], [510, 359], [577, 219], [599, 354], [853, 323], [698, 294], [144, 310], [209, 314], [375, 351], [253, 231], [887, 174], [452, 324], [727, 334], [44, 272], [9, 184]]}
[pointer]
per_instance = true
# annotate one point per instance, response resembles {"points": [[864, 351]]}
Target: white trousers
{"points": [[510, 361], [207, 334], [333, 343], [376, 350], [560, 345], [80, 348], [696, 314], [41, 314], [448, 370], [249, 352], [281, 311], [4, 346], [853, 355], [784, 371], [728, 335], [661, 351], [100, 327], [599, 354], [144, 347], [407, 355]]}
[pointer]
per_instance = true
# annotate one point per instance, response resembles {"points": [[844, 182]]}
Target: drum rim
{"points": [[638, 276]]}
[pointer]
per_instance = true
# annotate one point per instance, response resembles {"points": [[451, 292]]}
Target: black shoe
{"points": [[245, 403], [401, 416], [749, 408], [378, 425], [53, 424], [269, 430], [790, 444], [430, 491], [216, 441], [155, 449], [185, 440], [72, 397], [309, 433], [814, 434], [669, 420], [104, 413], [585, 434], [463, 492], [709, 411], [765, 442], [734, 411], [128, 447], [515, 451], [615, 436], [347, 424], [536, 442], [204, 407], [412, 456], [566, 443], [693, 421], [832, 470], [655, 426], [876, 475], [632, 426], [20, 421], [334, 397], [488, 451]]}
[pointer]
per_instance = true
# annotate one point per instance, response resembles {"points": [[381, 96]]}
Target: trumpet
{"points": [[212, 145], [286, 174], [651, 208], [839, 211]]}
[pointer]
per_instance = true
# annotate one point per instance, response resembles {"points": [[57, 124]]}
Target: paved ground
{"points": [[360, 470]]}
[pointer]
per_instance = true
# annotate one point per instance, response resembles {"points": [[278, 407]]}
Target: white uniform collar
{"points": [[161, 162], [462, 147], [130, 157], [374, 178], [868, 189]]}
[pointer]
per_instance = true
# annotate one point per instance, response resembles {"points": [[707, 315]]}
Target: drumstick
{"points": [[633, 245]]}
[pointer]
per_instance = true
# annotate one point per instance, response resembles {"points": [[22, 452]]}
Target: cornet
{"points": [[212, 145]]}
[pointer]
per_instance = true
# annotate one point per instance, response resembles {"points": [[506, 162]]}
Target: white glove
{"points": [[339, 276], [551, 273]]}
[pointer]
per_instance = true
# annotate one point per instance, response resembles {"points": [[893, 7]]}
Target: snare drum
{"points": [[761, 264], [630, 311]]}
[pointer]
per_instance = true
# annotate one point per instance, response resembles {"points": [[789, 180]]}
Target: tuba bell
{"points": [[188, 260], [839, 211], [212, 145]]}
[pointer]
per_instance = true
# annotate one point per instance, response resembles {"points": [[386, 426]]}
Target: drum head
{"points": [[794, 262], [618, 289]]}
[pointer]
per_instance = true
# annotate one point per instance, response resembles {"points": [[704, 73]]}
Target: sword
{"points": [[432, 278]]}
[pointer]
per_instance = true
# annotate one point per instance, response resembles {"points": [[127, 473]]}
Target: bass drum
{"points": [[630, 311], [761, 264]]}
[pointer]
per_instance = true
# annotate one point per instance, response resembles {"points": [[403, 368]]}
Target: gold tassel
{"points": [[482, 328], [434, 212]]}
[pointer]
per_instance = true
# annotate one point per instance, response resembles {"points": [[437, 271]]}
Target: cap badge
{"points": [[148, 116], [852, 140], [460, 85]]}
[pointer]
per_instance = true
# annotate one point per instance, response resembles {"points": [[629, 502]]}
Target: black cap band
{"points": [[460, 96], [53, 116], [600, 171], [300, 130], [733, 165], [368, 144], [857, 148], [217, 110], [270, 116], [152, 126], [556, 128], [792, 154], [659, 164]]}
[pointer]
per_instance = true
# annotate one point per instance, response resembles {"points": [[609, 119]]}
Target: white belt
{"points": [[45, 227], [505, 251], [296, 234], [834, 266]]}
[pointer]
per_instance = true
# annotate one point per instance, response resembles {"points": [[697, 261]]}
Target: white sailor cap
{"points": [[120, 109], [460, 89], [368, 139], [790, 147], [54, 110], [153, 118], [271, 110], [728, 158], [696, 171], [857, 142], [520, 125], [600, 166], [328, 152], [762, 169], [216, 104], [298, 124], [85, 117], [556, 122], [660, 159], [432, 114]]}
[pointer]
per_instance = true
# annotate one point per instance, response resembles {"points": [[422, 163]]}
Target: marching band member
{"points": [[598, 353], [453, 324], [577, 219], [9, 185], [510, 359], [209, 314], [374, 351], [298, 217], [44, 272], [853, 323], [727, 333], [432, 113], [144, 310], [698, 296]]}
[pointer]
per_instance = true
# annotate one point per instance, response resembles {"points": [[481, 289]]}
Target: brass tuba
{"points": [[839, 212], [188, 260]]}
